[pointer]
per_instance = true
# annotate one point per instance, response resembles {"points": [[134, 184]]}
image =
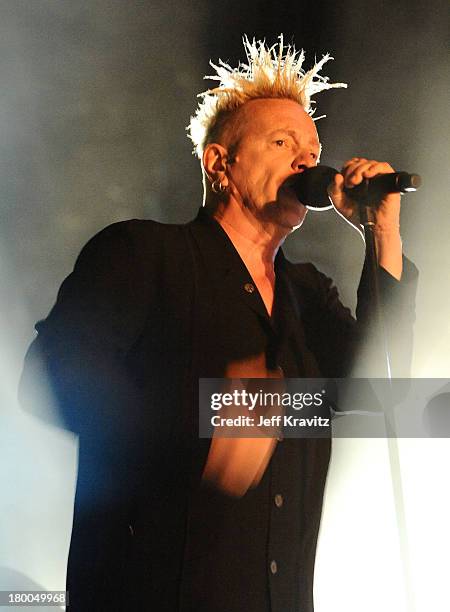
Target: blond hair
{"points": [[274, 72]]}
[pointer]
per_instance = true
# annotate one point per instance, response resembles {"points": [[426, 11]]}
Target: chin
{"points": [[292, 214], [287, 213], [293, 224]]}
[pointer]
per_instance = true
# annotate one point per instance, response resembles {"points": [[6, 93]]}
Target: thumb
{"points": [[335, 188]]}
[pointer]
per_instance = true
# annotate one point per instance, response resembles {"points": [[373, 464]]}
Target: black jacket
{"points": [[148, 309]]}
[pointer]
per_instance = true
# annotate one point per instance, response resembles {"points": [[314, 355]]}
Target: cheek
{"points": [[257, 181], [264, 187], [247, 180]]}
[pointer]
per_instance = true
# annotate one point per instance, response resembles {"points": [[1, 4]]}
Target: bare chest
{"points": [[266, 287]]}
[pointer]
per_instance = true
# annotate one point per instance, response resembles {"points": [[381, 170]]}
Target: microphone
{"points": [[311, 185]]}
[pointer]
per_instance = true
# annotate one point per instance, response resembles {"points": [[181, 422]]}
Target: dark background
{"points": [[94, 100]]}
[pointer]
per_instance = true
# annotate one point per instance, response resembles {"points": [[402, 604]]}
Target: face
{"points": [[276, 139]]}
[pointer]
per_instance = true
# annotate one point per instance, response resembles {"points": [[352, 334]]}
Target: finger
{"points": [[367, 170], [336, 186], [353, 162], [342, 203], [355, 174]]}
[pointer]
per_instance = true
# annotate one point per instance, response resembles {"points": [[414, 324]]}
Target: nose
{"points": [[305, 159]]}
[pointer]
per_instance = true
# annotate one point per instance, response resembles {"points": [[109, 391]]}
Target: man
{"points": [[165, 521]]}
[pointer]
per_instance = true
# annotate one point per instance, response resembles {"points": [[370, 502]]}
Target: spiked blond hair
{"points": [[274, 72]]}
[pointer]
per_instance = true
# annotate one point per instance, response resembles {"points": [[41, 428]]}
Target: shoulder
{"points": [[306, 277], [314, 290], [135, 238], [135, 231]]}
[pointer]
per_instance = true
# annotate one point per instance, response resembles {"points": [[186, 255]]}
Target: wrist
{"points": [[387, 228], [388, 246]]}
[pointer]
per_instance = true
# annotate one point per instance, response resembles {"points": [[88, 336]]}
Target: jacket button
{"points": [[273, 567], [249, 287], [278, 500]]}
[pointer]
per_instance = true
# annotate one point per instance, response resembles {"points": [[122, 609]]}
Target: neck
{"points": [[256, 242]]}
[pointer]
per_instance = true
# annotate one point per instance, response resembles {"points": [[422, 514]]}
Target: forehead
{"points": [[268, 114]]}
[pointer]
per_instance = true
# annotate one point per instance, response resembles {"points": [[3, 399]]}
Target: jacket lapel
{"points": [[226, 270]]}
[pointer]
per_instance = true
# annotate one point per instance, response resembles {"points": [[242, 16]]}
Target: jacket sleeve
{"points": [[398, 316], [345, 346], [80, 353]]}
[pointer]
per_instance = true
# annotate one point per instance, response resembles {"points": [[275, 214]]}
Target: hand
{"points": [[386, 215], [387, 212]]}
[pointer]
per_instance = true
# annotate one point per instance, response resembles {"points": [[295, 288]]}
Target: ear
{"points": [[214, 161]]}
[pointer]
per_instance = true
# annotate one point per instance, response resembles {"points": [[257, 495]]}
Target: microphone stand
{"points": [[367, 219], [309, 188]]}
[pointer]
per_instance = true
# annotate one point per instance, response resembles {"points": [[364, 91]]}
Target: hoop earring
{"points": [[217, 186]]}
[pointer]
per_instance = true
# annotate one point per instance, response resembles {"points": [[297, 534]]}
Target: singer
{"points": [[162, 520]]}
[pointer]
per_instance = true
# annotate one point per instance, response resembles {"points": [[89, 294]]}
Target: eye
{"points": [[280, 142], [314, 156]]}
